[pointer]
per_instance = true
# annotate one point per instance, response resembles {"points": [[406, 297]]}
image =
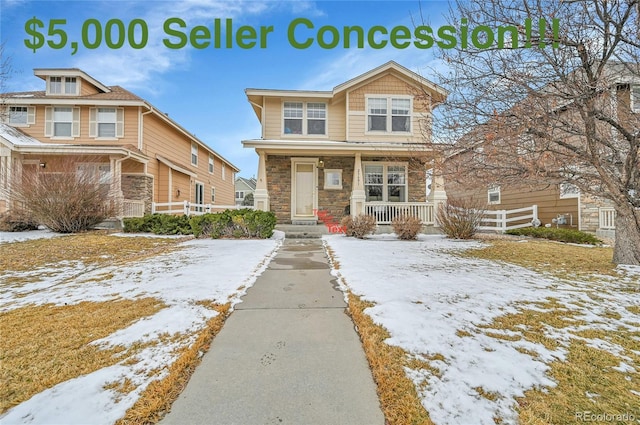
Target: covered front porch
{"points": [[306, 185]]}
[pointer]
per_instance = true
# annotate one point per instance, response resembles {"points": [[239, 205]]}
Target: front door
{"points": [[303, 189]]}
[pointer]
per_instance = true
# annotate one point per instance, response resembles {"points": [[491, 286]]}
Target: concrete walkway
{"points": [[288, 354]]}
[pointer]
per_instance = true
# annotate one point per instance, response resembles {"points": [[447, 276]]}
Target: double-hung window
{"points": [[21, 115], [389, 114], [635, 98], [211, 164], [194, 154], [62, 121], [63, 85], [385, 182], [106, 122], [493, 195], [94, 173], [305, 118]]}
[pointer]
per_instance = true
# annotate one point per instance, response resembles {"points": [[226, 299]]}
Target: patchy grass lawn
{"points": [[127, 317], [44, 345], [469, 329], [594, 375]]}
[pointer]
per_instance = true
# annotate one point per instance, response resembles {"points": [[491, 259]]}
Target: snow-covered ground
{"points": [[434, 303], [203, 269], [7, 237]]}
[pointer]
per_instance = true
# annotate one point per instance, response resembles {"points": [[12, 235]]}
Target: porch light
{"points": [[43, 164], [321, 164], [177, 193]]}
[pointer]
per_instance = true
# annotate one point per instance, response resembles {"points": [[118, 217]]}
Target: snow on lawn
{"points": [[7, 237], [433, 303], [211, 270]]}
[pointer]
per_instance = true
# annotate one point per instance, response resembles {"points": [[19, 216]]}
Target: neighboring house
{"points": [[559, 204], [244, 187], [138, 151], [362, 147]]}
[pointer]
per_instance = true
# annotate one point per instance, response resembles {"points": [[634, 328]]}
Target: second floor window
{"points": [[389, 114], [62, 121], [305, 118], [106, 122], [63, 85], [194, 154], [210, 164], [21, 115]]}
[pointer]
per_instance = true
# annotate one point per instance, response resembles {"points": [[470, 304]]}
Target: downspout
{"points": [[141, 126]]}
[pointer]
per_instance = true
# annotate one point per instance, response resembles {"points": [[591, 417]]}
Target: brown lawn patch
{"points": [[398, 397], [42, 346], [157, 398], [94, 248], [561, 260]]}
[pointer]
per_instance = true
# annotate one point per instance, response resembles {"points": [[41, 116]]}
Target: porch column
{"points": [[437, 196], [115, 194], [261, 195], [358, 195]]}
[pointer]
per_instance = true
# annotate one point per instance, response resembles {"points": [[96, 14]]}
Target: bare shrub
{"points": [[66, 200], [359, 226], [459, 218], [17, 220], [406, 227]]}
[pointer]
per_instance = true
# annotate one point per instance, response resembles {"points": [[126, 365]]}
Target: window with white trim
{"points": [[62, 121], [385, 182], [224, 172], [333, 179], [94, 173], [21, 115], [635, 98], [493, 195], [63, 85], [194, 154], [389, 114], [568, 190], [213, 195], [106, 122], [211, 164], [239, 195], [308, 118]]}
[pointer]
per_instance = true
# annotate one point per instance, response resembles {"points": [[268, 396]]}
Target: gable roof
{"points": [[250, 183], [255, 95]]}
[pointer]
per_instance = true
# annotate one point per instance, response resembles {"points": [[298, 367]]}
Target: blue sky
{"points": [[203, 89]]}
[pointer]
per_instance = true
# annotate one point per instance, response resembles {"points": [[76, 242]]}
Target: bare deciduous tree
{"points": [[560, 113]]}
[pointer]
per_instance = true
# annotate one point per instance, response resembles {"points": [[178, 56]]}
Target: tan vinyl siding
{"points": [[161, 139], [273, 118], [86, 88], [337, 121], [388, 85], [547, 198]]}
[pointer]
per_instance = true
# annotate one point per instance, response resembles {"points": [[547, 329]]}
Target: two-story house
{"points": [[141, 154], [244, 188], [362, 147]]}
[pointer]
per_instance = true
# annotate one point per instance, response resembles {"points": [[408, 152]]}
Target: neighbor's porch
{"points": [[122, 177]]}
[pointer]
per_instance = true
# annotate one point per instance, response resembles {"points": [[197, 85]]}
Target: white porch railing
{"points": [[385, 212], [607, 217], [190, 208], [132, 208], [500, 220]]}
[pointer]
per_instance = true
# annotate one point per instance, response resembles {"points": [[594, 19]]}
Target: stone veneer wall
{"points": [[138, 188], [590, 212], [332, 201], [279, 186]]}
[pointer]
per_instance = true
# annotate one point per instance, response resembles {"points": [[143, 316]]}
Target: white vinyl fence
{"points": [[503, 220], [190, 208], [387, 211]]}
